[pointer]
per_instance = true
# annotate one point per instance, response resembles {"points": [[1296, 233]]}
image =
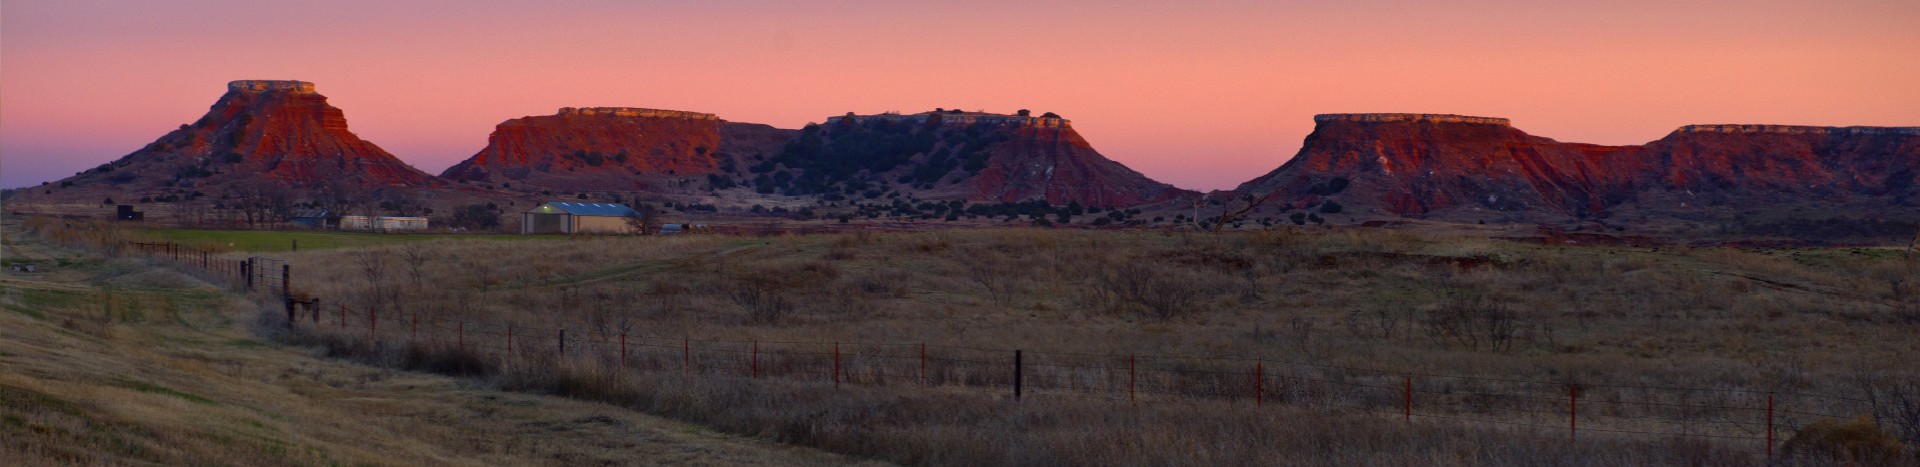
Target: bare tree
{"points": [[416, 258], [995, 275], [373, 268], [645, 219], [1470, 322], [1148, 289], [402, 202], [262, 201], [762, 302], [1229, 213], [1895, 403]]}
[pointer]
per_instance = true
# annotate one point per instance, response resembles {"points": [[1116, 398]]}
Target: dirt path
{"points": [[116, 362]]}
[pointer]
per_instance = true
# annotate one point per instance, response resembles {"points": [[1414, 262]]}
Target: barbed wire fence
{"points": [[1729, 415], [1578, 408]]}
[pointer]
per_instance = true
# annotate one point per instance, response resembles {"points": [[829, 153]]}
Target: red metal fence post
{"points": [[416, 327], [1129, 379], [462, 336], [1259, 377], [1409, 407], [1573, 411], [623, 349], [756, 359], [509, 340], [1769, 425], [373, 321], [686, 354], [923, 364], [836, 365]]}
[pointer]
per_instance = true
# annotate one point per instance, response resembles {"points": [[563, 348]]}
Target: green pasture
{"points": [[278, 240]]}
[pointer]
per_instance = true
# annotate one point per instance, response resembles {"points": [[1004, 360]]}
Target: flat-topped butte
{"points": [[636, 112], [263, 85], [1802, 129], [958, 118], [1411, 118]]}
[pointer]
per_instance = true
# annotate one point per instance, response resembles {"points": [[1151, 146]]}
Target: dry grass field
{"points": [[119, 361], [1673, 350], [1360, 306]]}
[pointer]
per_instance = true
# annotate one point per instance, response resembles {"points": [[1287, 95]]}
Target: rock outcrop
{"points": [[282, 132], [610, 148], [1055, 164], [974, 156], [1419, 165]]}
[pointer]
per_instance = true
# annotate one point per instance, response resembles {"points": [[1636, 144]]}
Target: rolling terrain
{"points": [[121, 361]]}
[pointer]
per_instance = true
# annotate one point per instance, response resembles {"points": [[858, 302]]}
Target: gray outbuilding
{"points": [[570, 217]]}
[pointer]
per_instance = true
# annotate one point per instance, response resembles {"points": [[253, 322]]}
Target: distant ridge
{"points": [[1420, 165]]}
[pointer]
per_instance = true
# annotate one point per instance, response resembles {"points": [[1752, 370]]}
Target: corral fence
{"points": [[1577, 408], [252, 273]]}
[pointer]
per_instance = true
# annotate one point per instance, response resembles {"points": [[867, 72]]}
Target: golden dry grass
{"points": [[119, 362], [1825, 321]]}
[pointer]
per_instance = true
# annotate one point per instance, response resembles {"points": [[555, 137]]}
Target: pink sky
{"points": [[1203, 95]]}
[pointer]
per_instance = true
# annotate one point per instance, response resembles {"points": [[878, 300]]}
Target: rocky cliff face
{"points": [[974, 156], [1055, 164], [609, 148], [1418, 164], [278, 131], [1731, 164]]}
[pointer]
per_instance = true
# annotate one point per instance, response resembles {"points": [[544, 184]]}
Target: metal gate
{"points": [[267, 273]]}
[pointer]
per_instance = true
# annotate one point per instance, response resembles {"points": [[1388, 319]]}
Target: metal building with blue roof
{"points": [[570, 217]]}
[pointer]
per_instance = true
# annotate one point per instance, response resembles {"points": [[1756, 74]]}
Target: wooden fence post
{"points": [[246, 272], [286, 280], [1409, 407], [289, 314], [416, 327]]}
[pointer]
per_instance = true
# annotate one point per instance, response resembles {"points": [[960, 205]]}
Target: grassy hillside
{"points": [[120, 362]]}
